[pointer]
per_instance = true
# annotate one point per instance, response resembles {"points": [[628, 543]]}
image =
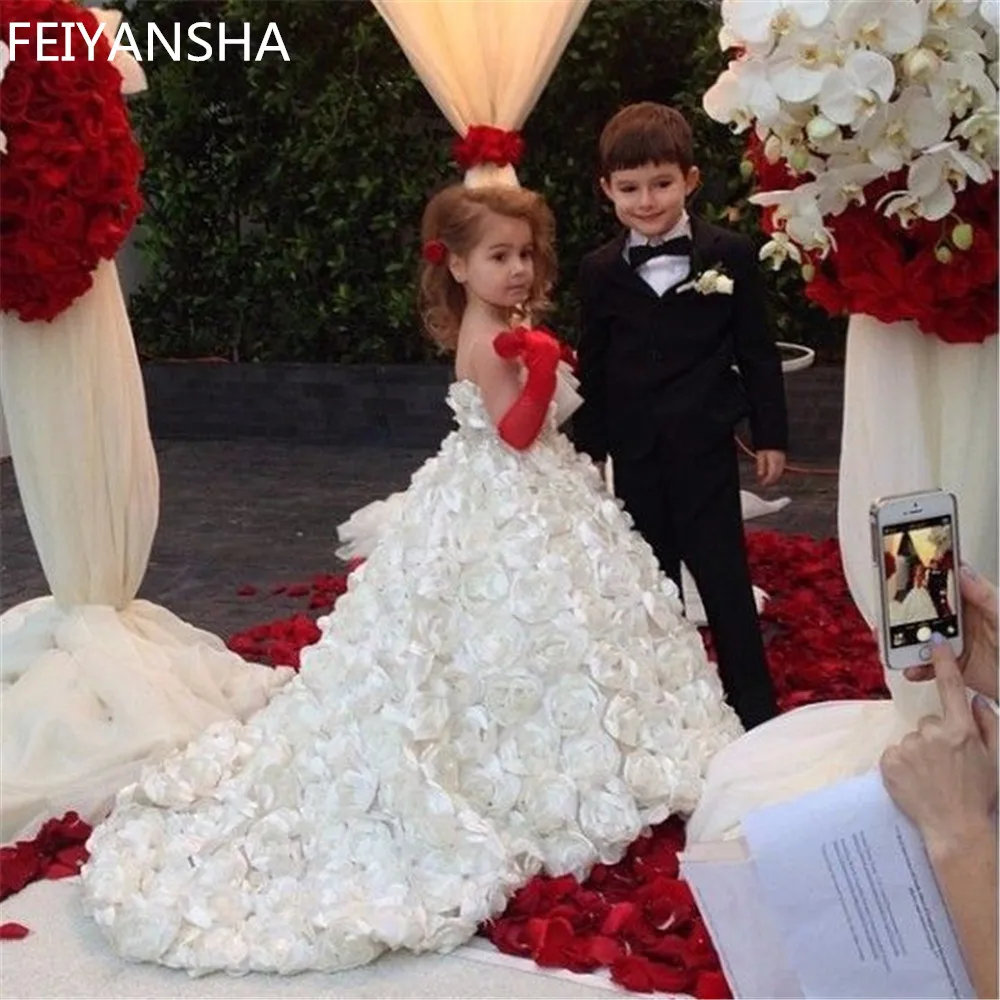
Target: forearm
{"points": [[965, 864]]}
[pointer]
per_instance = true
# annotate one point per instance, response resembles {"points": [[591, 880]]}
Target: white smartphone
{"points": [[915, 552]]}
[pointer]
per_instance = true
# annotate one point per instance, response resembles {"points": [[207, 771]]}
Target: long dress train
{"points": [[507, 686]]}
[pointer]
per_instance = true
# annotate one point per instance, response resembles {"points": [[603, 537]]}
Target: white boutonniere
{"points": [[714, 281]]}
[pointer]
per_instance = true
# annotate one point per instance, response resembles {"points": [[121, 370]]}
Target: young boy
{"points": [[661, 395]]}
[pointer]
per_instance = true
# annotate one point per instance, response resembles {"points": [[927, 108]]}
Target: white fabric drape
{"points": [[4, 440], [91, 681], [485, 62], [84, 461], [918, 414]]}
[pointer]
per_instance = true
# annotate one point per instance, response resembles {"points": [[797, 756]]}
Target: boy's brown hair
{"points": [[645, 133]]}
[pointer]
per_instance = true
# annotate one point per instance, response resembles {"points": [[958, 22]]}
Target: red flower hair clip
{"points": [[434, 252], [486, 144]]}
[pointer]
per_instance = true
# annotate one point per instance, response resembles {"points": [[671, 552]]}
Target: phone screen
{"points": [[920, 580]]}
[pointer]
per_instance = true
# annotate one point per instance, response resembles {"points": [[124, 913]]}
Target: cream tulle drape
{"points": [[92, 681], [4, 440], [84, 461], [485, 62]]}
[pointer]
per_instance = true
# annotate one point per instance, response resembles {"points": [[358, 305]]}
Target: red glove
{"points": [[540, 353]]}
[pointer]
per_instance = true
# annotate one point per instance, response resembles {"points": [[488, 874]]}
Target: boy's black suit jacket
{"points": [[658, 370]]}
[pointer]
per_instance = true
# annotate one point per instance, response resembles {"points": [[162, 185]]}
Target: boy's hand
{"points": [[770, 466]]}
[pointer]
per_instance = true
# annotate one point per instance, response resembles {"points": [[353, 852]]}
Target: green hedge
{"points": [[284, 198]]}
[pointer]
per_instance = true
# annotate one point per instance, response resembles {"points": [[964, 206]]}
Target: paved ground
{"points": [[265, 513]]}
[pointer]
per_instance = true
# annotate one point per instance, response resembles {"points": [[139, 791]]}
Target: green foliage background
{"points": [[284, 199]]}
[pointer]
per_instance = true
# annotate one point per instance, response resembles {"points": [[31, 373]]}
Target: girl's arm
{"points": [[518, 411], [499, 379]]}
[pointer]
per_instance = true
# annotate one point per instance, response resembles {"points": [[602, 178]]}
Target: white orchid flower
{"points": [[779, 249], [961, 164], [759, 22], [943, 13], [840, 187], [850, 94], [920, 64], [797, 212], [963, 85], [741, 94], [948, 42], [981, 131], [894, 27], [909, 124], [931, 183], [799, 65]]}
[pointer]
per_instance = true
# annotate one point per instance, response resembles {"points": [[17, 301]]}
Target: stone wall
{"points": [[394, 405]]}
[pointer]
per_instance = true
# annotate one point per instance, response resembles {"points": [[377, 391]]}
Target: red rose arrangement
{"points": [[70, 175], [940, 275], [486, 144]]}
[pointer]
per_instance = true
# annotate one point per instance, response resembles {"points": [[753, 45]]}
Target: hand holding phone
{"points": [[916, 562], [980, 662]]}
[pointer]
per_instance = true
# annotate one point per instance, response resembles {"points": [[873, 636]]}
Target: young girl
{"points": [[507, 686]]}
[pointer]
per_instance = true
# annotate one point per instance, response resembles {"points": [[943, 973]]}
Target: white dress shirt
{"points": [[662, 273]]}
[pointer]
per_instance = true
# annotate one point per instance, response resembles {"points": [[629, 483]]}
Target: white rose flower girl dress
{"points": [[508, 686]]}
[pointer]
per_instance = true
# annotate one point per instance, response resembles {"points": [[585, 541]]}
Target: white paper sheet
{"points": [[750, 945], [849, 884]]}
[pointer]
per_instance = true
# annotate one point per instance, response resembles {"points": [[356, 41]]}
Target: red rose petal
{"points": [[57, 870], [618, 916], [13, 932], [247, 590], [712, 986]]}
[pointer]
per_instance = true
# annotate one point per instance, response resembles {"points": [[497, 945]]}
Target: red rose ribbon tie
{"points": [[486, 144]]}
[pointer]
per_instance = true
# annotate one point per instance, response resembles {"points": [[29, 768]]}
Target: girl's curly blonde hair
{"points": [[456, 217]]}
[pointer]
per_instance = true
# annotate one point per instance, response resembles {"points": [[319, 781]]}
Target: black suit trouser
{"points": [[687, 507]]}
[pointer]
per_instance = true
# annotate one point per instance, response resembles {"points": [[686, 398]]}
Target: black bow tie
{"points": [[679, 246]]}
